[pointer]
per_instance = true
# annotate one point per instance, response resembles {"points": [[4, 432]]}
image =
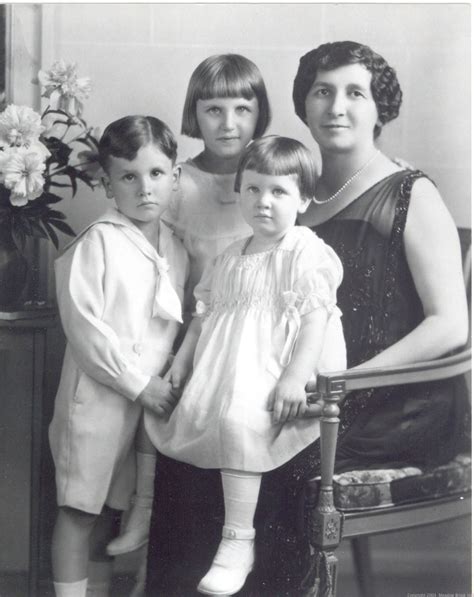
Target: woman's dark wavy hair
{"points": [[124, 137], [384, 86], [225, 75]]}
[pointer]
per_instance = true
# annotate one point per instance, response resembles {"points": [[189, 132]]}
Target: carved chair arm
{"points": [[334, 386]]}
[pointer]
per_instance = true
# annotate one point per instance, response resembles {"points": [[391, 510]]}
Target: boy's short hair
{"points": [[384, 85], [225, 75], [280, 156], [124, 137]]}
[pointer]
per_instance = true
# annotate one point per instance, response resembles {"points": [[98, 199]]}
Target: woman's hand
{"points": [[288, 400], [158, 397]]}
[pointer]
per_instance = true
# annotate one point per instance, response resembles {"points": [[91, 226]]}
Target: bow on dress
{"points": [[290, 321]]}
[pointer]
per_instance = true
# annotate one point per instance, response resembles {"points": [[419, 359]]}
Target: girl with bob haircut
{"points": [[280, 156], [227, 107], [265, 322], [225, 75]]}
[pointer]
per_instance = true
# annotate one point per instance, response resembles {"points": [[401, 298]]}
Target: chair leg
{"points": [[363, 566]]}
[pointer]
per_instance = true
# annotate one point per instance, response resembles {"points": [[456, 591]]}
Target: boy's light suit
{"points": [[120, 306]]}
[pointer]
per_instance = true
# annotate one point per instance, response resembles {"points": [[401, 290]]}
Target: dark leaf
{"points": [[84, 176], [19, 237], [57, 111], [60, 151], [57, 215], [52, 198], [51, 233], [37, 230], [63, 227], [71, 172], [53, 183]]}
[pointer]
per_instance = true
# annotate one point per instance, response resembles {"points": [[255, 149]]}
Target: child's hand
{"points": [[158, 397], [177, 375], [288, 400], [313, 410]]}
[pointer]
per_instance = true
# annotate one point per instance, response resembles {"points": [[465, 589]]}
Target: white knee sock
{"points": [[235, 556], [71, 589], [240, 498]]}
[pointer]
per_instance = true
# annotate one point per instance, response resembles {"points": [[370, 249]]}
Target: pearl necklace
{"points": [[356, 174]]}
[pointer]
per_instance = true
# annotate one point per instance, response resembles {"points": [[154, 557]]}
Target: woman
{"points": [[402, 300], [403, 296]]}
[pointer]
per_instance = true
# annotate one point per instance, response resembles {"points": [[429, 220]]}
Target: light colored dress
{"points": [[252, 307], [119, 300], [205, 214]]}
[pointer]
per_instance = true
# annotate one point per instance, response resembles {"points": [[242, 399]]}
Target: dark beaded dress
{"points": [[427, 424]]}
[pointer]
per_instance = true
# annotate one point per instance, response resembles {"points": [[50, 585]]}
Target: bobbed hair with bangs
{"points": [[225, 75], [280, 156], [124, 137]]}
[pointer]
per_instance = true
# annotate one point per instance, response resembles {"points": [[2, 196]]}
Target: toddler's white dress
{"points": [[251, 307]]}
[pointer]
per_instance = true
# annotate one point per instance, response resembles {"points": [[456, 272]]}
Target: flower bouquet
{"points": [[38, 156]]}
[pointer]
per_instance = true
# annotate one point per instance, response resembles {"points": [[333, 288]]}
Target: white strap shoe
{"points": [[232, 564]]}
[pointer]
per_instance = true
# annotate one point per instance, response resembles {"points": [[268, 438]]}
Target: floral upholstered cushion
{"points": [[359, 490]]}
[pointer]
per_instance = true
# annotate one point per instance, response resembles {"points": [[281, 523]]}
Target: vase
{"points": [[13, 269]]}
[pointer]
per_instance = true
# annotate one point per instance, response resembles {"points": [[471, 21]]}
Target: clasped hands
{"points": [[161, 394]]}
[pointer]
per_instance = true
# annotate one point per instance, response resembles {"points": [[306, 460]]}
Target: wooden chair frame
{"points": [[328, 526]]}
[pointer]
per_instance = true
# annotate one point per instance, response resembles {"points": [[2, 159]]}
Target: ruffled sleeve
{"points": [[317, 275]]}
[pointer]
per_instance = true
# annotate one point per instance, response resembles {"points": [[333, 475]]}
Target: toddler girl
{"points": [[266, 321], [119, 289], [226, 106]]}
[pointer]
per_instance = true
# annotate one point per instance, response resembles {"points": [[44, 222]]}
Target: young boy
{"points": [[119, 289]]}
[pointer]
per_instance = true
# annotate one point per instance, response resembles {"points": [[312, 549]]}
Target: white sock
{"points": [[71, 589], [240, 498]]}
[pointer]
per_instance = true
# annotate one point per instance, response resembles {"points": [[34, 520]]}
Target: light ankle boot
{"points": [[233, 562], [136, 530], [137, 527], [71, 589]]}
